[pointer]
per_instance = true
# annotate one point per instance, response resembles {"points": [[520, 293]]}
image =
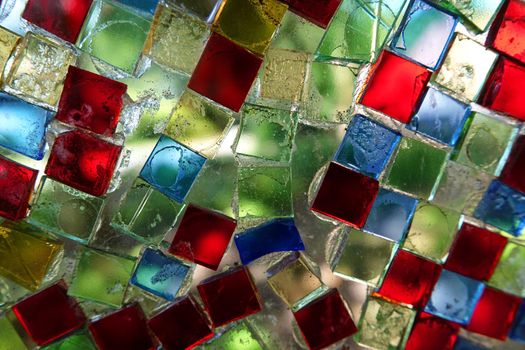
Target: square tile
{"points": [[8, 42], [225, 64], [391, 215], [229, 296], [517, 333], [494, 314], [395, 86], [509, 275], [319, 12], [480, 14], [409, 279], [325, 320], [49, 314], [364, 258], [293, 30], [39, 69], [123, 329], [345, 195], [182, 325], [62, 19], [367, 146], [261, 16], [432, 231], [440, 117], [475, 252], [466, 67], [176, 39], [432, 333], [16, 187], [416, 168], [266, 133], [241, 333], [172, 168], [91, 101], [83, 161], [508, 29], [454, 297], [24, 126]]}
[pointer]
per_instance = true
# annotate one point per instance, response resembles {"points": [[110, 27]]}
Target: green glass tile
{"points": [[384, 325], [416, 168], [114, 34], [101, 277], [80, 341], [330, 92], [65, 211], [176, 39], [9, 338], [266, 133], [264, 192], [358, 30], [238, 338], [432, 231], [509, 274], [364, 258], [486, 144], [297, 34]]}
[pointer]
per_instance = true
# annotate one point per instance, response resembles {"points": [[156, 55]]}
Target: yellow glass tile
{"points": [[199, 124], [39, 70], [25, 254], [250, 23], [8, 41]]}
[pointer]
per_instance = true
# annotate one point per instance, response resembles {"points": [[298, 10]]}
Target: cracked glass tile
{"points": [[367, 146], [478, 12], [8, 42], [384, 325], [486, 144], [264, 192], [507, 32], [284, 75], [39, 70], [329, 93], [9, 337], [466, 67], [424, 34], [203, 9], [416, 168], [432, 231], [199, 124], [297, 34], [241, 333], [80, 341], [509, 274], [356, 33], [262, 17], [266, 133], [145, 213], [114, 34], [364, 258], [176, 39], [65, 211], [26, 254], [101, 277]]}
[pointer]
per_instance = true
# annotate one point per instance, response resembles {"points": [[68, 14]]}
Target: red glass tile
{"points": [[181, 326], [82, 161], [395, 86], [225, 72], [229, 296], [16, 187], [91, 101], [49, 314], [202, 236], [410, 279], [346, 195], [432, 333], [123, 329], [494, 314], [507, 32], [504, 90], [319, 12], [514, 169], [62, 18], [325, 321], [475, 252]]}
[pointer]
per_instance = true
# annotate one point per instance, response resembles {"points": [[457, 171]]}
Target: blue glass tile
{"points": [[172, 168], [517, 332], [466, 344], [277, 235], [391, 215], [367, 146], [454, 297], [23, 126], [159, 274], [424, 34], [147, 6], [503, 207], [440, 117]]}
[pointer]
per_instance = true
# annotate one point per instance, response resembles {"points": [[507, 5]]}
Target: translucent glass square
{"points": [[8, 42], [510, 271], [478, 12], [297, 34]]}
